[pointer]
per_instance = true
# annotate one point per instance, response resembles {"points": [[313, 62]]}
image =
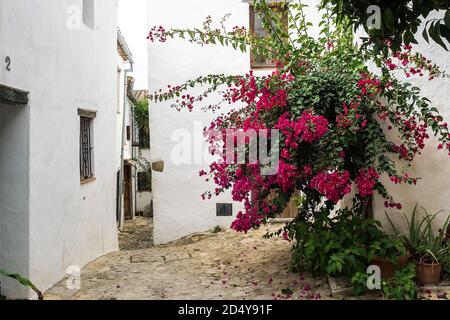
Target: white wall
{"points": [[178, 208], [433, 166], [143, 202], [69, 223], [144, 198], [177, 204]]}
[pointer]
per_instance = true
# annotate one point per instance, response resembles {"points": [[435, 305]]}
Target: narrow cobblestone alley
{"points": [[223, 265]]}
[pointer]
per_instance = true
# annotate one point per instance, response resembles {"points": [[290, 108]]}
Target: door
{"points": [[291, 209], [127, 193], [289, 212], [118, 210]]}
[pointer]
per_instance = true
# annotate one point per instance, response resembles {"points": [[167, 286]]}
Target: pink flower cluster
{"points": [[414, 134], [239, 31], [412, 129], [392, 204], [311, 127], [287, 175], [246, 89], [268, 100], [366, 181], [403, 179], [333, 186], [403, 151], [369, 85], [308, 128], [351, 117], [157, 33], [245, 221], [412, 64]]}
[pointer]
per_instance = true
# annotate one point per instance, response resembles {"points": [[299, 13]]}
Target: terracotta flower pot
{"points": [[388, 268], [428, 273]]}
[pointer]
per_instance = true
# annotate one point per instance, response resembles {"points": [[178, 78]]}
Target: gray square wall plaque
{"points": [[224, 209]]}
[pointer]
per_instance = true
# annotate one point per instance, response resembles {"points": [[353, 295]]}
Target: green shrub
{"points": [[402, 286], [341, 245]]}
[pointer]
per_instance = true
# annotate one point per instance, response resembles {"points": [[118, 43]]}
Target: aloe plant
{"points": [[23, 281], [422, 241], [434, 247]]}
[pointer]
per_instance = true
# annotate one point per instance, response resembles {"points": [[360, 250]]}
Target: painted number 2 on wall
{"points": [[8, 63]]}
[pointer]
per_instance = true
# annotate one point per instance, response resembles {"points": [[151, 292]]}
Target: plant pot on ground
{"points": [[390, 256], [428, 273], [388, 267], [429, 248]]}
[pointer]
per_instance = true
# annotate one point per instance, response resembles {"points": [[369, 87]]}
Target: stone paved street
{"points": [[137, 234], [224, 265]]}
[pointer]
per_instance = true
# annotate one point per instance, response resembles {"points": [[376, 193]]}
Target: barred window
{"points": [[86, 145]]}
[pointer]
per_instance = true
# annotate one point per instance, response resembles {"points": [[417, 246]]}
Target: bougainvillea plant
{"points": [[335, 117]]}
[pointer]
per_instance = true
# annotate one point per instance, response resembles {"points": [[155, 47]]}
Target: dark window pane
{"points": [[144, 181]]}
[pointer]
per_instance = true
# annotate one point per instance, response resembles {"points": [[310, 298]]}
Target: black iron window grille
{"points": [[86, 148], [136, 134]]}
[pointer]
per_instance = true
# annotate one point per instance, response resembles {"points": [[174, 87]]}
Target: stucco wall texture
{"points": [[178, 208], [48, 220], [433, 165]]}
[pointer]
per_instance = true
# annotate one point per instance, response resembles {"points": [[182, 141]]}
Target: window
{"points": [[136, 134], [128, 133], [258, 60], [144, 181], [144, 139], [118, 211], [86, 145]]}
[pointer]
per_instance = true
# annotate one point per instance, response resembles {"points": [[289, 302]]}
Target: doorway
{"points": [[128, 192]]}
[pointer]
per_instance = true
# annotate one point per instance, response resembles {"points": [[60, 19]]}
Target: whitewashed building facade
{"points": [[178, 208], [57, 135]]}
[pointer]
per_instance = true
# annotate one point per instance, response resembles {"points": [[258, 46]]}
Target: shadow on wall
{"points": [[14, 198]]}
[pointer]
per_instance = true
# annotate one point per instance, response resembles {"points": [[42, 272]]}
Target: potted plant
{"points": [[432, 252], [428, 273], [390, 257], [427, 247]]}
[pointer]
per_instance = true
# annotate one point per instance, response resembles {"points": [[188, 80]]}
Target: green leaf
{"points": [[408, 37], [23, 281], [447, 19], [287, 291], [388, 20], [445, 32], [435, 34]]}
